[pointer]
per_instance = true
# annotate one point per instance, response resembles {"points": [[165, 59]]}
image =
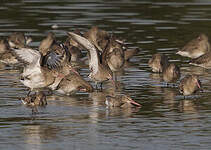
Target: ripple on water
{"points": [[82, 121]]}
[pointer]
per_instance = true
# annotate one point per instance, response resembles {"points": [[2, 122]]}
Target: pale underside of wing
{"points": [[94, 60], [28, 55]]}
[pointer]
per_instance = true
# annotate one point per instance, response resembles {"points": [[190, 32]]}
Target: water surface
{"points": [[165, 121]]}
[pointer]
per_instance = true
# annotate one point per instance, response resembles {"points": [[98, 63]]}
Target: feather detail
{"points": [[94, 60]]}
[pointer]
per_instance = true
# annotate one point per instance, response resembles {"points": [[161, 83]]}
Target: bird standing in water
{"points": [[36, 76], [113, 56], [189, 84], [196, 47], [34, 100], [18, 40], [15, 40], [158, 62], [171, 73], [120, 101]]}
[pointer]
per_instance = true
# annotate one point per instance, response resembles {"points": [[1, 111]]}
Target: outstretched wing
{"points": [[28, 55], [94, 60], [82, 41], [52, 60]]}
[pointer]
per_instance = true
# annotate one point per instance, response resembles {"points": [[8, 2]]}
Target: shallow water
{"points": [[165, 121]]}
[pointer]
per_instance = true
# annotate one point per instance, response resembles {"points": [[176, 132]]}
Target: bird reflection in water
{"points": [[35, 134], [187, 106], [99, 99], [103, 97], [170, 94]]}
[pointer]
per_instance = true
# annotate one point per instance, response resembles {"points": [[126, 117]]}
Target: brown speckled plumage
{"points": [[171, 73], [196, 47], [189, 84], [158, 62], [202, 61], [120, 101]]}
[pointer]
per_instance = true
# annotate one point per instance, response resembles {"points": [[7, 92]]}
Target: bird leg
{"points": [[101, 86], [114, 76], [34, 110], [96, 85]]}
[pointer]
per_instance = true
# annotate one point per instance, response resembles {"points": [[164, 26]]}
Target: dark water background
{"points": [[82, 122]]}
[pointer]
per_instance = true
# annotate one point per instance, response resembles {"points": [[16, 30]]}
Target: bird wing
{"points": [[206, 58], [94, 60], [28, 55], [52, 60]]}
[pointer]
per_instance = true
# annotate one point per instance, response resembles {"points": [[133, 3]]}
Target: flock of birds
{"points": [[51, 65], [198, 50]]}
